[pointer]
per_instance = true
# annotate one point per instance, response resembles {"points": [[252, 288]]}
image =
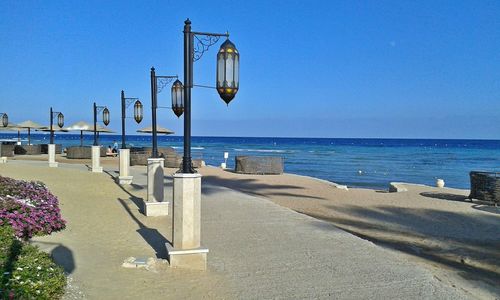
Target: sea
{"points": [[355, 162]]}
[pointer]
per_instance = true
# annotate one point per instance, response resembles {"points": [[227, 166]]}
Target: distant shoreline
{"points": [[14, 134]]}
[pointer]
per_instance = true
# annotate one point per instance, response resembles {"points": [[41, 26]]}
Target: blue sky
{"points": [[428, 69]]}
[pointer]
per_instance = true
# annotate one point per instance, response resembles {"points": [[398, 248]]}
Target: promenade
{"points": [[258, 249]]}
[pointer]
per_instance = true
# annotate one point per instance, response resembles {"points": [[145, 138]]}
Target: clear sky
{"points": [[425, 69]]}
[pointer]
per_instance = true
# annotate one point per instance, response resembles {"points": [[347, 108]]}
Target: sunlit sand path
{"points": [[258, 249]]}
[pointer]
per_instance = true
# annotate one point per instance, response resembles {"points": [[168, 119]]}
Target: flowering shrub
{"points": [[26, 272], [29, 208], [36, 276]]}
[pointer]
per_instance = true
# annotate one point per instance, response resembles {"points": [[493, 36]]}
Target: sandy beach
{"points": [[434, 229], [437, 228]]}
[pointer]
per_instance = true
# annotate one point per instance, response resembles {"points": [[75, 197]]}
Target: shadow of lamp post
{"points": [[155, 204], [52, 147], [96, 149], [185, 250], [125, 177]]}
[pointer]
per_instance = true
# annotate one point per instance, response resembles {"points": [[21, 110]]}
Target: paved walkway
{"points": [[258, 250]]}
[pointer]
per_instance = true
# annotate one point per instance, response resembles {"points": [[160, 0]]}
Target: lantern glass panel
{"points": [[174, 96], [60, 120], [230, 70], [5, 120], [237, 71], [177, 94], [220, 70]]}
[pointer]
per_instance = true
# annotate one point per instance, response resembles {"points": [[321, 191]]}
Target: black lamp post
{"points": [[105, 119], [163, 80], [5, 119], [60, 122], [227, 76], [137, 113]]}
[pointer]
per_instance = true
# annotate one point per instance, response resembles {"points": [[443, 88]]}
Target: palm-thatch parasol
{"points": [[159, 129], [80, 126], [47, 129], [12, 127], [28, 125], [84, 126]]}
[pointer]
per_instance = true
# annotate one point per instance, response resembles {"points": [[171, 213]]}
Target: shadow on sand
{"points": [[152, 236], [465, 243], [253, 187]]}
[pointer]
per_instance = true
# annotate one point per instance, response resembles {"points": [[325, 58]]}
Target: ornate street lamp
{"points": [[105, 119], [228, 70], [228, 64], [137, 113], [60, 122], [5, 119], [105, 116], [155, 90], [178, 98]]}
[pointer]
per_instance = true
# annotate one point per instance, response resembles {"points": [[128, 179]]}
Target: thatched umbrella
{"points": [[102, 129], [55, 129], [81, 126], [159, 129], [28, 125], [84, 126], [12, 127]]}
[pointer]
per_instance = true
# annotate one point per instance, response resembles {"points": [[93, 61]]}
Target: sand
{"points": [[106, 227], [457, 241]]}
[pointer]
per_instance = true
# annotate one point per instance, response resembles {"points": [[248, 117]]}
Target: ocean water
{"points": [[370, 163]]}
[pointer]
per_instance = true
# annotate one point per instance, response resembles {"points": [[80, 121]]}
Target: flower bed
{"points": [[29, 208]]}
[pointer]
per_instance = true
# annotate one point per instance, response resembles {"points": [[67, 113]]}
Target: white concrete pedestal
{"points": [[3, 159], [96, 159], [155, 204], [125, 177], [52, 156], [186, 251]]}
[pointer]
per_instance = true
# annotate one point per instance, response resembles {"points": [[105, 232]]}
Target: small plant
{"points": [[9, 249], [36, 276]]}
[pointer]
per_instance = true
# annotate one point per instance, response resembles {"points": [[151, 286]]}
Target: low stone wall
{"points": [[259, 164], [45, 148], [84, 152], [139, 156], [27, 150], [7, 150]]}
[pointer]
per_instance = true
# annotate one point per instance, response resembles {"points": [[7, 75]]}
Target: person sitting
{"points": [[109, 151]]}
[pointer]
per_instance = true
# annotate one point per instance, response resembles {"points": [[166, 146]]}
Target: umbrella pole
{"points": [[81, 138], [19, 136], [29, 137]]}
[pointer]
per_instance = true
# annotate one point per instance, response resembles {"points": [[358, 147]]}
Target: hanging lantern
{"points": [[5, 120], [138, 111], [105, 116], [178, 98], [60, 120], [228, 71]]}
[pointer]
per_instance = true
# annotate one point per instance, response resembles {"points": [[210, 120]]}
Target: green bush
{"points": [[26, 271], [9, 249]]}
